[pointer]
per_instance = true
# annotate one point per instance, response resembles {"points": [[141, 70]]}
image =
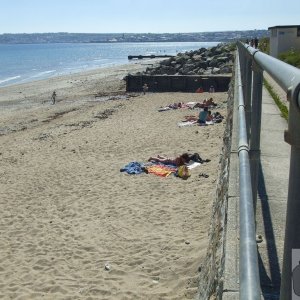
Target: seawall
{"points": [[211, 273]]}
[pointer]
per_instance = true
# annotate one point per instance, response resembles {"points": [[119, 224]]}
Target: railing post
{"points": [[247, 92], [292, 231], [257, 87]]}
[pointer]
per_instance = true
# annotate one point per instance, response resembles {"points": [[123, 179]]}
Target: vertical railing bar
{"points": [[256, 104]]}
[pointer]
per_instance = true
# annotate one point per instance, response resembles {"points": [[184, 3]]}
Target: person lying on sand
{"points": [[177, 161], [177, 105], [206, 103]]}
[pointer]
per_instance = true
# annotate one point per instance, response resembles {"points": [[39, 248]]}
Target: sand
{"points": [[72, 225]]}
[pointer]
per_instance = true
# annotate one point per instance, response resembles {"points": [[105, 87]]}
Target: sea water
{"points": [[21, 63]]}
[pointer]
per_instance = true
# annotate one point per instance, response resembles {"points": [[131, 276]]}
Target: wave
{"points": [[9, 79], [41, 74]]}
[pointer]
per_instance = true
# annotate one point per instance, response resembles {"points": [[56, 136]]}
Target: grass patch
{"points": [[291, 57], [283, 109], [264, 45]]}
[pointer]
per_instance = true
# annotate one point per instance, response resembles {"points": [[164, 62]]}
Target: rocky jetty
{"points": [[211, 61]]}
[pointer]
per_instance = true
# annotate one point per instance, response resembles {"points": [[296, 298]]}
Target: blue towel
{"points": [[133, 167]]}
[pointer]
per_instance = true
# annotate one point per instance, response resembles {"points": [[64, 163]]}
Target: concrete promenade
{"points": [[271, 202]]}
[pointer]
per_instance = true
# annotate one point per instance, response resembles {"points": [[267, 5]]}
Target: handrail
{"points": [[249, 273], [284, 74], [288, 77]]}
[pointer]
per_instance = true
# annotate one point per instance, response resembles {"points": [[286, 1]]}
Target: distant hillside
{"points": [[65, 37]]}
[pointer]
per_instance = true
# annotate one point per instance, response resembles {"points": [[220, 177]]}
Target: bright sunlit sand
{"points": [[72, 225]]}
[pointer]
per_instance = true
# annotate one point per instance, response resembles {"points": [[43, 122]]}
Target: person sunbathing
{"points": [[190, 118], [210, 102], [204, 116], [206, 103], [176, 105], [177, 161]]}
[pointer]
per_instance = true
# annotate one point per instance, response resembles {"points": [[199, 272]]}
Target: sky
{"points": [[145, 16]]}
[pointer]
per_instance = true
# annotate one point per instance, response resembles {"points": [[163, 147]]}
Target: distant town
{"points": [[65, 37]]}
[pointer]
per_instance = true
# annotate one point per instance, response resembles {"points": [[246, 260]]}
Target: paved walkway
{"points": [[277, 89], [271, 204]]}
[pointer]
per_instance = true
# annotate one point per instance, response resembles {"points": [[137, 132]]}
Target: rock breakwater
{"points": [[211, 61]]}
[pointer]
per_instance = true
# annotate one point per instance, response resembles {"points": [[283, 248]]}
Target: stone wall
{"points": [[210, 278], [177, 83]]}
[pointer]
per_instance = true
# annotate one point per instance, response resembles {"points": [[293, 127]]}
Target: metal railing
{"points": [[249, 73]]}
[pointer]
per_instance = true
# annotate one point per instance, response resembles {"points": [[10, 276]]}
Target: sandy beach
{"points": [[72, 225]]}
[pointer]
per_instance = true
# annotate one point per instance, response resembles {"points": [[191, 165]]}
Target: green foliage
{"points": [[264, 45], [231, 46], [283, 109], [291, 57]]}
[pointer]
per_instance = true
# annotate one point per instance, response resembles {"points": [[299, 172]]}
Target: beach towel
{"points": [[133, 167], [173, 106], [193, 164], [191, 104], [186, 123], [209, 123], [161, 170]]}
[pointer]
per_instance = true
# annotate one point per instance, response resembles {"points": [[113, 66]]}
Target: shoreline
{"points": [[82, 81], [34, 64], [68, 212]]}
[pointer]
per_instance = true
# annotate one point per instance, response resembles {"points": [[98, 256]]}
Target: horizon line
{"points": [[188, 32]]}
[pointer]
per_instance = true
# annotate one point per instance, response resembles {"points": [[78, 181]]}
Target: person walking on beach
{"points": [[145, 88], [53, 97]]}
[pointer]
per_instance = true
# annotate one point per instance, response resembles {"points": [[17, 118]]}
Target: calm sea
{"points": [[21, 63]]}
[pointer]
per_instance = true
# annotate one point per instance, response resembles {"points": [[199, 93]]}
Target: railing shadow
{"points": [[270, 284]]}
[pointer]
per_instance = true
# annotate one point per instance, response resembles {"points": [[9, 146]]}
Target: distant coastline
{"points": [[65, 37]]}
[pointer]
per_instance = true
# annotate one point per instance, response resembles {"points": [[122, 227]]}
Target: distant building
{"points": [[283, 38]]}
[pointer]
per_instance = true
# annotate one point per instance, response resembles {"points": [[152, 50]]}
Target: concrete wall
{"points": [[283, 39], [180, 83], [211, 275]]}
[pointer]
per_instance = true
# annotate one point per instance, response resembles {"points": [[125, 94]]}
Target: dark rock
{"points": [[187, 68], [213, 63], [215, 71], [226, 69], [215, 60]]}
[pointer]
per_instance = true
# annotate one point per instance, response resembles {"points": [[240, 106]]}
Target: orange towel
{"points": [[161, 170]]}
